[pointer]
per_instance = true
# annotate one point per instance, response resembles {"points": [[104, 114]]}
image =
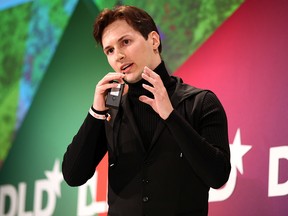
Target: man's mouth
{"points": [[125, 67]]}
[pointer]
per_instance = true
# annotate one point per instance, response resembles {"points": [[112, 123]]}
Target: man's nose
{"points": [[120, 55]]}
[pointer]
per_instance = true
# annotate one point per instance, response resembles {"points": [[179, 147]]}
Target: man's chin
{"points": [[131, 81]]}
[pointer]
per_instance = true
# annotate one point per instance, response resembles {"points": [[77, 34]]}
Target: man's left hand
{"points": [[161, 102]]}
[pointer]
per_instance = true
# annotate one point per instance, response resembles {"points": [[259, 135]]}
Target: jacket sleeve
{"points": [[203, 137], [86, 150]]}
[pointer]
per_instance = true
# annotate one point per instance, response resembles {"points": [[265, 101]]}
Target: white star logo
{"points": [[238, 150], [55, 178]]}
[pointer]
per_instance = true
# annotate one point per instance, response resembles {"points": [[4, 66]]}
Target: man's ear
{"points": [[155, 39]]}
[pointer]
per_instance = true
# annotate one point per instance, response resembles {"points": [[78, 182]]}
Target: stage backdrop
{"points": [[243, 62]]}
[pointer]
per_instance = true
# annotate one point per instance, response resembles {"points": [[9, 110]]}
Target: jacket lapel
{"points": [[182, 91], [161, 125], [127, 113]]}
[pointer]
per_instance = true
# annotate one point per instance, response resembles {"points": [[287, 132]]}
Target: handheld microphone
{"points": [[114, 96]]}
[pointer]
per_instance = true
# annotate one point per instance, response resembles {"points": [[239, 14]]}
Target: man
{"points": [[167, 143]]}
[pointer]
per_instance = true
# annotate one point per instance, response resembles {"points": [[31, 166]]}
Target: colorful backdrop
{"points": [[49, 65]]}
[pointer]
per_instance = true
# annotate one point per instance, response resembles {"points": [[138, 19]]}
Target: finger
{"points": [[111, 77], [150, 73], [116, 77], [146, 100], [149, 88], [102, 88], [148, 78]]}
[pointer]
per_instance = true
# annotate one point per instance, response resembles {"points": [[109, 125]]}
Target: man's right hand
{"points": [[102, 88]]}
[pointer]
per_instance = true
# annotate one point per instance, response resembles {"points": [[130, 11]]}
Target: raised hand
{"points": [[161, 102]]}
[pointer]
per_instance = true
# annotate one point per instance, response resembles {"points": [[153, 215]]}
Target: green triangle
{"points": [[185, 25], [59, 107]]}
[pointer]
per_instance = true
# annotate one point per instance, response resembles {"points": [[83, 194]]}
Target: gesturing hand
{"points": [[161, 102]]}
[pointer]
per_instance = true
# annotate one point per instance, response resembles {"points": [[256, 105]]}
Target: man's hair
{"points": [[137, 18]]}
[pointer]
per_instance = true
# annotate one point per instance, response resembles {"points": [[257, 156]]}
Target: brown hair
{"points": [[137, 18]]}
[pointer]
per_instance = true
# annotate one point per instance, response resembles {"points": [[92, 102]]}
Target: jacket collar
{"points": [[182, 92]]}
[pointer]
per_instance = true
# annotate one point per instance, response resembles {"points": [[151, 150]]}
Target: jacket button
{"points": [[146, 181], [147, 163], [145, 199]]}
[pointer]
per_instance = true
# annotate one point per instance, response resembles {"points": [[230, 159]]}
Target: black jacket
{"points": [[188, 155]]}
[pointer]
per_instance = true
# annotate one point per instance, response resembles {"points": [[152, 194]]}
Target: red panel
{"points": [[245, 64]]}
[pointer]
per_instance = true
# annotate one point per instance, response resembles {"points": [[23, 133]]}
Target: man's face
{"points": [[127, 50]]}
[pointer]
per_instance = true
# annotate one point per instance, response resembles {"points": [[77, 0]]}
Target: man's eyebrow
{"points": [[106, 48], [120, 39]]}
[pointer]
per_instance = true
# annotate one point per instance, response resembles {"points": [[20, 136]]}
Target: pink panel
{"points": [[246, 64]]}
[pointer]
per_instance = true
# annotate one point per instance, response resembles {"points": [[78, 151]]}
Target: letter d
{"points": [[8, 191], [41, 186], [275, 188]]}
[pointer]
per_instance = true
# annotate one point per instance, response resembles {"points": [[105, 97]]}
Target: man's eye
{"points": [[109, 51], [126, 41]]}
